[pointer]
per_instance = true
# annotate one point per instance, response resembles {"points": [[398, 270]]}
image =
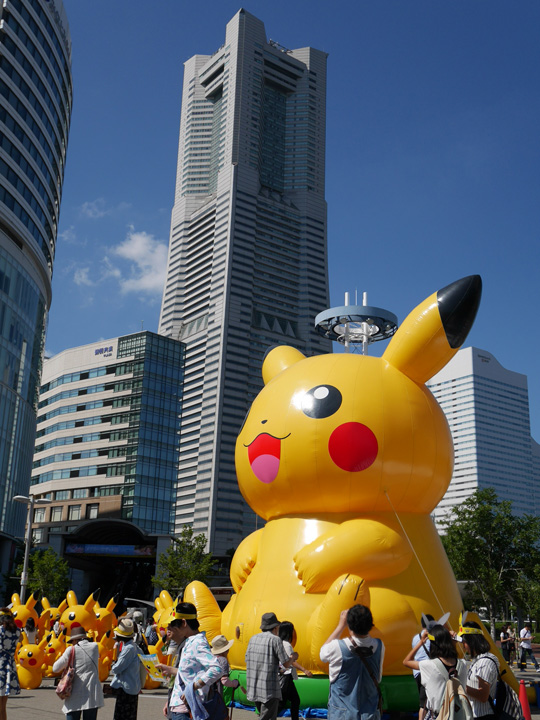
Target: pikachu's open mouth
{"points": [[264, 454]]}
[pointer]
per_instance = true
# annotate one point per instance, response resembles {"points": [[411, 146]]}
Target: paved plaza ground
{"points": [[43, 704]]}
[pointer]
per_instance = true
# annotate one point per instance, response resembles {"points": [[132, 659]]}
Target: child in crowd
{"points": [[288, 675], [220, 648]]}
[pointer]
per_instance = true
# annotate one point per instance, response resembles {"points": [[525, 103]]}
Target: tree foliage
{"points": [[48, 574], [493, 550], [184, 561]]}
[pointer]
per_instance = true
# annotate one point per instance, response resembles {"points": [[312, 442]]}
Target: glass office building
{"points": [[35, 110], [247, 266], [107, 438]]}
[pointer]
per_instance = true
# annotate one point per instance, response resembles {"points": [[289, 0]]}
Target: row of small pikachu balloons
{"points": [[35, 660]]}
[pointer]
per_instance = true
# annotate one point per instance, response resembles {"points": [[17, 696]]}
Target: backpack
{"points": [[506, 705], [455, 703]]}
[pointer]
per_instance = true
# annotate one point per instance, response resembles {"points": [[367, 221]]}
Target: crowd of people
{"points": [[198, 670]]}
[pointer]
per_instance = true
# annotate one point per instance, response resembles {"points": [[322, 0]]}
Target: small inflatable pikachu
{"points": [[345, 456], [30, 660]]}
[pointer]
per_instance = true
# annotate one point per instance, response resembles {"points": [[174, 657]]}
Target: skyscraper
{"points": [[35, 110], [247, 265], [487, 408]]}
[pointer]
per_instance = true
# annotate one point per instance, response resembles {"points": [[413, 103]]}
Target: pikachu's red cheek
{"points": [[353, 447]]}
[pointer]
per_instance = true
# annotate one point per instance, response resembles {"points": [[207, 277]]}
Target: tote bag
{"points": [[65, 685]]}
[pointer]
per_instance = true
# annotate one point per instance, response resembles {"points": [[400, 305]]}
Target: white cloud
{"points": [[108, 270], [69, 236], [81, 277], [96, 209], [148, 261]]}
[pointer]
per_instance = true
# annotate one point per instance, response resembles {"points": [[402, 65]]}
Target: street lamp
{"points": [[28, 538]]}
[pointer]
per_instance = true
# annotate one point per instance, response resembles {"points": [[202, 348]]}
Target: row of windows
{"points": [[34, 27], [58, 514], [135, 367], [42, 15], [88, 390], [18, 210], [17, 182], [73, 377], [29, 171], [67, 409], [35, 102], [25, 139], [53, 106]]}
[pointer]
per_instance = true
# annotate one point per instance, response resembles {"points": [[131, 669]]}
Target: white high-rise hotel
{"points": [[487, 408], [247, 264]]}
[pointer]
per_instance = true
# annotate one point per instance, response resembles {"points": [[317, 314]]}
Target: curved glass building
{"points": [[35, 111]]}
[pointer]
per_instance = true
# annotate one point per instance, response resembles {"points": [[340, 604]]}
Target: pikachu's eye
{"points": [[321, 401]]}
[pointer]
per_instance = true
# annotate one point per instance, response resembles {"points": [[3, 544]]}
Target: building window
{"points": [[56, 514], [61, 495], [80, 493], [74, 512], [92, 511], [39, 515], [38, 535]]}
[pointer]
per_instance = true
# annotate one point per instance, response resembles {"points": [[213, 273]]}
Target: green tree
{"points": [[527, 593], [491, 549], [184, 561], [48, 574]]}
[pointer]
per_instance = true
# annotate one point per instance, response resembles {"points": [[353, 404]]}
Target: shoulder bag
{"points": [[65, 685]]}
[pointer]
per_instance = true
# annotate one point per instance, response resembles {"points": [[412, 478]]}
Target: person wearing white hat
{"points": [[126, 682], [220, 647], [86, 694]]}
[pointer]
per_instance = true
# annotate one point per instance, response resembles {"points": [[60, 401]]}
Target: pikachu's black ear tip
{"points": [[458, 305]]}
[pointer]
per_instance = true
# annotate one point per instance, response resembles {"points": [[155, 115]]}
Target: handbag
{"points": [[215, 706], [65, 684]]}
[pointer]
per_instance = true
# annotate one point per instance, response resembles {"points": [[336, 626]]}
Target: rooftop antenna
{"points": [[356, 325]]}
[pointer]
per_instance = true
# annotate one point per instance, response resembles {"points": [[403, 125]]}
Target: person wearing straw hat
{"points": [[86, 693], [220, 647], [126, 682]]}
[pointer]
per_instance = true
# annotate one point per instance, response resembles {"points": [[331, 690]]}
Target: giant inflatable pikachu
{"points": [[345, 457]]}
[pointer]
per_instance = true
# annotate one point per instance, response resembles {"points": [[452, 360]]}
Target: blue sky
{"points": [[433, 157]]}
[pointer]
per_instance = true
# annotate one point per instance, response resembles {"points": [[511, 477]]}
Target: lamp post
{"points": [[30, 501]]}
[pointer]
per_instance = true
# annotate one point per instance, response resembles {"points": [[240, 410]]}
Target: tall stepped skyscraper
{"points": [[247, 265], [35, 111]]}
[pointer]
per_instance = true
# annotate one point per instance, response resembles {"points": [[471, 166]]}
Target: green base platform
{"points": [[400, 693]]}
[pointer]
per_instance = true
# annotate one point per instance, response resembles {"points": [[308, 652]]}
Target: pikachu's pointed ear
{"points": [[434, 331], [278, 359], [91, 600]]}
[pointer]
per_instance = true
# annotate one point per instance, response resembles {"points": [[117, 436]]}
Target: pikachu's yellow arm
{"points": [[366, 547], [244, 559]]}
